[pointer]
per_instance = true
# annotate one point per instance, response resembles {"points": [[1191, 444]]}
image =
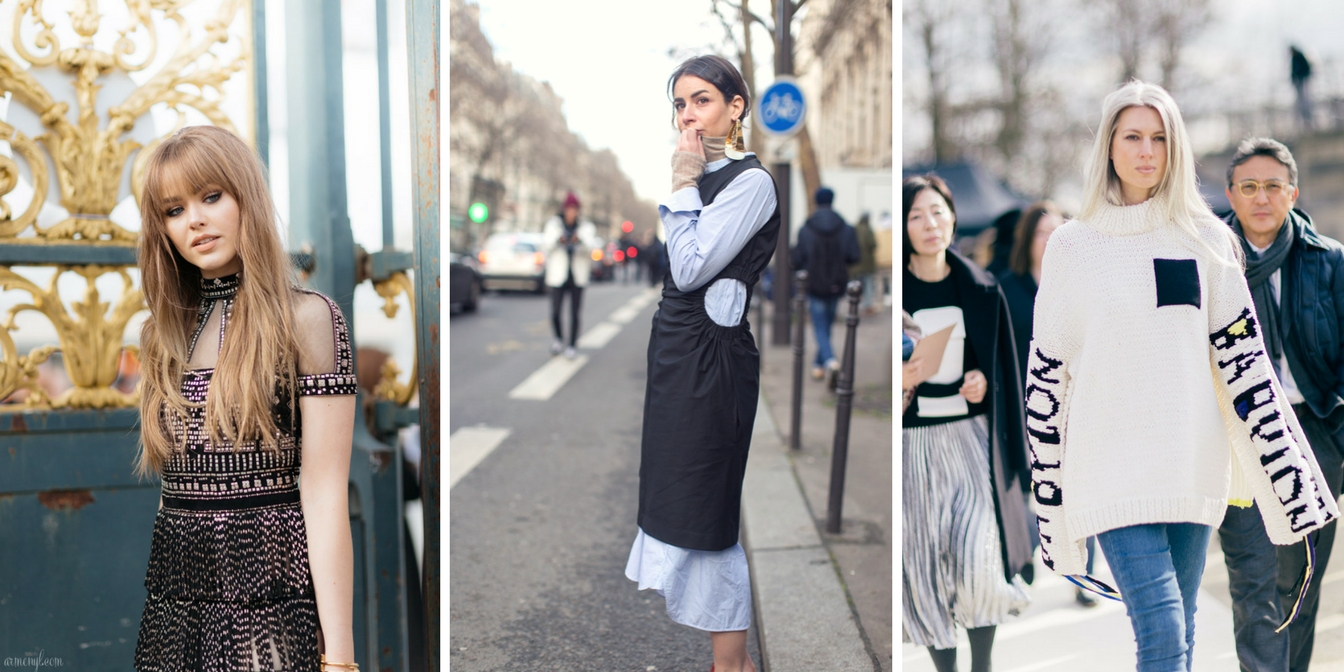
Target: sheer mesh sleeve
{"points": [[326, 364]]}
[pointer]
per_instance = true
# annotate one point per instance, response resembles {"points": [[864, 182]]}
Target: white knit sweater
{"points": [[1146, 365]]}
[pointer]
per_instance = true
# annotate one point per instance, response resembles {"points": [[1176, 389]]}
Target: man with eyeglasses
{"points": [[1296, 276]]}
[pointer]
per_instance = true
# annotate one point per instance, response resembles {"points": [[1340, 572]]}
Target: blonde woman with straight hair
{"points": [[247, 411], [1132, 440]]}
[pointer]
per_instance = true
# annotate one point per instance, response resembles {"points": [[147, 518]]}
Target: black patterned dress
{"points": [[228, 579]]}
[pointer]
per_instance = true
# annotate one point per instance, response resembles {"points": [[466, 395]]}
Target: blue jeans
{"points": [[822, 309], [1157, 568], [1252, 568], [869, 296]]}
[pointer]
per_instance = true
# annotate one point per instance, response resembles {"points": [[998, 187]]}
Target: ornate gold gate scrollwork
{"points": [[88, 164], [388, 387], [90, 342]]}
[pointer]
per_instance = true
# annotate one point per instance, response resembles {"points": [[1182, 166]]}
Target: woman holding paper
{"points": [[965, 528]]}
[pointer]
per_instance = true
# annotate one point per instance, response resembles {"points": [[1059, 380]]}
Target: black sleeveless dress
{"points": [[700, 400], [228, 579]]}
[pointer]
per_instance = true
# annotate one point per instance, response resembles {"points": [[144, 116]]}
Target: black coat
{"points": [[1020, 291], [1312, 319], [990, 332], [825, 222]]}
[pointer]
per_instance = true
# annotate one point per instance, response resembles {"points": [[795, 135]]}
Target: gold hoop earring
{"points": [[735, 148]]}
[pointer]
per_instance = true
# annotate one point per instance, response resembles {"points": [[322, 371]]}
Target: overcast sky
{"points": [[609, 61]]}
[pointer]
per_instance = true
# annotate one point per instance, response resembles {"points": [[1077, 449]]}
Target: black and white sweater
{"points": [[1145, 366]]}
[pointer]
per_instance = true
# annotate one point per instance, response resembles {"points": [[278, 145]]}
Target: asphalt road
{"points": [[541, 526]]}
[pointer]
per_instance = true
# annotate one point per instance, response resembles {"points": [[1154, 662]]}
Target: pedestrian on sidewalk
{"points": [[1019, 281], [247, 407], [567, 240], [826, 248], [866, 270], [1296, 276], [1299, 69], [722, 220], [1140, 299], [965, 518], [652, 256]]}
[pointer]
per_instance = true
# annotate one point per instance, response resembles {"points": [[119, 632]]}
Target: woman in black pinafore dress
{"points": [[722, 221]]}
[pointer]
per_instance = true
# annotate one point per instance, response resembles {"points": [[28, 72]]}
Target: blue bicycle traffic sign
{"points": [[781, 108]]}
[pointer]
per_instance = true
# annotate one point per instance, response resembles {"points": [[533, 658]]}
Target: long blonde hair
{"points": [[258, 358], [1177, 194]]}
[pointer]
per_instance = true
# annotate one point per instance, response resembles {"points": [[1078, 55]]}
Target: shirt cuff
{"points": [[683, 200]]}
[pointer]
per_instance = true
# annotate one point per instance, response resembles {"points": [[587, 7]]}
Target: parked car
{"points": [[603, 269], [464, 282], [513, 261]]}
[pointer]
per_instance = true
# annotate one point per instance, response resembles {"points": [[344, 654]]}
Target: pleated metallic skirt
{"points": [[951, 564]]}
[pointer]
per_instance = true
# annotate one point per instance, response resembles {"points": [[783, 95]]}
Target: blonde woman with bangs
{"points": [[1132, 439], [247, 410]]}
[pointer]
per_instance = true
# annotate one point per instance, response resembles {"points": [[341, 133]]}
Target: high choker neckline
{"points": [[220, 288]]}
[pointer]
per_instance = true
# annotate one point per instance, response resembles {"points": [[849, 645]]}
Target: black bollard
{"points": [[800, 317], [844, 404]]}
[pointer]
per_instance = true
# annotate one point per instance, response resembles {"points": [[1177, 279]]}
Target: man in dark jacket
{"points": [[1296, 276], [826, 248]]}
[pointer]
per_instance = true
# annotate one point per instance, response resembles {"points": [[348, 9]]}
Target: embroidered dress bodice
{"points": [[228, 580]]}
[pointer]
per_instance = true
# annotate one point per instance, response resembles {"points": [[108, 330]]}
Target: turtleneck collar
{"points": [[220, 288], [713, 148], [1128, 220]]}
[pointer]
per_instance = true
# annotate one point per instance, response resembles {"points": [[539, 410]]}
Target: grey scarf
{"points": [[1260, 266]]}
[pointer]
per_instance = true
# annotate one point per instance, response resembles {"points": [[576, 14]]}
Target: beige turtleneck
{"points": [[687, 167]]}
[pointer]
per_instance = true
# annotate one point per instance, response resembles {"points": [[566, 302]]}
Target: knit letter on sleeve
{"points": [[1268, 444], [1047, 407], [1046, 399]]}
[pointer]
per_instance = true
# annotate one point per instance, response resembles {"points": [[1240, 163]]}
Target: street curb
{"points": [[803, 615]]}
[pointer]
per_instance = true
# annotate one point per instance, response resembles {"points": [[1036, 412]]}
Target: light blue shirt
{"points": [[703, 239]]}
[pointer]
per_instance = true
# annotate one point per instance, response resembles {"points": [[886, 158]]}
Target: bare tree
{"points": [[807, 156], [1160, 28], [1177, 22], [745, 59], [1018, 49], [509, 138], [1128, 23], [926, 18]]}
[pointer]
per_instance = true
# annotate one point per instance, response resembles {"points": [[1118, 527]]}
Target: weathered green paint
{"points": [[319, 221], [61, 450], [386, 262], [73, 254], [75, 524], [422, 39]]}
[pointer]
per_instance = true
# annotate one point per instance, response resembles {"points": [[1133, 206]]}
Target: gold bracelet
{"points": [[345, 666]]}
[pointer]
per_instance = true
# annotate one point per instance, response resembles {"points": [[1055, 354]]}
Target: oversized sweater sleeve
{"points": [[1054, 343], [1269, 447]]}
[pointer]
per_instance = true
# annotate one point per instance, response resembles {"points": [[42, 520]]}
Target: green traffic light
{"points": [[478, 212]]}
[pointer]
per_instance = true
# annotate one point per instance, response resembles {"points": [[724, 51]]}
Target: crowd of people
{"points": [[1139, 375]]}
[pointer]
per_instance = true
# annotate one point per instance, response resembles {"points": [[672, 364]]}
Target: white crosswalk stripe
{"points": [[547, 380], [598, 336], [468, 446]]}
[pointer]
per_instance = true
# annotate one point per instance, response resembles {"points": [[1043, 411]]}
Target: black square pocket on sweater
{"points": [[1177, 282]]}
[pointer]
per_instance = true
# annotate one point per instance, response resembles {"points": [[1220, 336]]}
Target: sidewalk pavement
{"points": [[823, 602]]}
